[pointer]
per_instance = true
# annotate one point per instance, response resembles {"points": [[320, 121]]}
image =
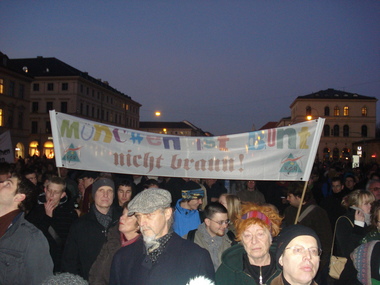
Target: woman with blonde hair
{"points": [[251, 261], [355, 223], [232, 203]]}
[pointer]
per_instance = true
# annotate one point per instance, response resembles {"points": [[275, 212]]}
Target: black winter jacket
{"points": [[84, 243]]}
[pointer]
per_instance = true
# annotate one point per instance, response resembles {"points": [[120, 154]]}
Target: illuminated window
{"points": [[364, 111], [33, 148], [1, 117], [336, 111], [49, 149], [345, 111], [1, 86], [19, 150]]}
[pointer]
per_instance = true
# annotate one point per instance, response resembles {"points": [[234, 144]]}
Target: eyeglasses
{"points": [[221, 223], [300, 250], [375, 189]]}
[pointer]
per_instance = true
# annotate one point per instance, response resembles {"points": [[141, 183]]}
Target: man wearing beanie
{"points": [[89, 233], [298, 252], [161, 257], [186, 214]]}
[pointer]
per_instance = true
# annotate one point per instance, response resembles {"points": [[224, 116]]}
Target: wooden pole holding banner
{"points": [[301, 202]]}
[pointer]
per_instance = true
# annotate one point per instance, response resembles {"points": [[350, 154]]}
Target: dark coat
{"points": [[56, 228], [231, 271], [180, 261], [84, 243], [348, 237]]}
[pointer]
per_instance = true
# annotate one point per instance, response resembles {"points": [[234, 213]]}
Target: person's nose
{"points": [[307, 254]]}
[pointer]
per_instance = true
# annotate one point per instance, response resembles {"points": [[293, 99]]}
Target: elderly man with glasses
{"points": [[213, 233]]}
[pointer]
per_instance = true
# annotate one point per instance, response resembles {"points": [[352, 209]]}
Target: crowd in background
{"points": [[85, 218]]}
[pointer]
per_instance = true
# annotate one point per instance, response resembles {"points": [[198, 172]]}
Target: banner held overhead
{"points": [[285, 153]]}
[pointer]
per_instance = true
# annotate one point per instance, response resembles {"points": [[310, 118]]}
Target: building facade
{"points": [[350, 118], [14, 105], [58, 86]]}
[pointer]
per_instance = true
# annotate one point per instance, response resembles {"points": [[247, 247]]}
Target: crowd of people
{"points": [[66, 226]]}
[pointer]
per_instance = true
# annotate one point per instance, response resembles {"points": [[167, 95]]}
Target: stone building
{"points": [[55, 85], [350, 118]]}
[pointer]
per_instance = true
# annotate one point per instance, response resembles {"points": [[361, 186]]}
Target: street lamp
{"points": [[157, 113]]}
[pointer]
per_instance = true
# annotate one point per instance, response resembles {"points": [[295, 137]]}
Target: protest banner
{"points": [[285, 153], [6, 148]]}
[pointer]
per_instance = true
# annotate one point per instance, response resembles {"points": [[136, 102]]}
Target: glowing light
{"points": [[157, 113]]}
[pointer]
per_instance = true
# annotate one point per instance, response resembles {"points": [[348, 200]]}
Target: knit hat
{"points": [[149, 200], [102, 182], [192, 190], [289, 233]]}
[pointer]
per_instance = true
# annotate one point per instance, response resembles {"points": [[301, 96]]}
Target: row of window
{"points": [[50, 86], [49, 106], [12, 89], [335, 131], [34, 127], [346, 112]]}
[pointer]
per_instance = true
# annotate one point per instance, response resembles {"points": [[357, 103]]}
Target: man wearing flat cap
{"points": [[161, 257], [186, 214], [89, 233]]}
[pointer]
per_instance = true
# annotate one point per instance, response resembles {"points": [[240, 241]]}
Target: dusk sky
{"points": [[222, 65]]}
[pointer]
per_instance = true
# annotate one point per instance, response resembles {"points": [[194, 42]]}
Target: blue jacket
{"points": [[185, 220], [24, 254], [180, 261]]}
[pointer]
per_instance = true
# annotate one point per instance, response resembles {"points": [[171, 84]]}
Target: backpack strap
{"points": [[306, 212]]}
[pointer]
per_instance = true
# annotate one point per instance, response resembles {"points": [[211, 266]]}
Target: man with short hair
{"points": [[161, 257], [374, 186], [89, 233], [186, 214], [54, 216], [24, 251], [212, 233]]}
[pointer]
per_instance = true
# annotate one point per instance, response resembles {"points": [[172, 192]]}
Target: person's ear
{"points": [[207, 222], [19, 197], [280, 260], [168, 213], [63, 194]]}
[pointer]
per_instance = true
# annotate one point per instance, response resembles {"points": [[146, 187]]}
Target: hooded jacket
{"points": [[231, 271], [185, 220]]}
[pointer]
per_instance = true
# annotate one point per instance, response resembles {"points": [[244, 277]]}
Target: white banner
{"points": [[285, 153], [6, 148]]}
